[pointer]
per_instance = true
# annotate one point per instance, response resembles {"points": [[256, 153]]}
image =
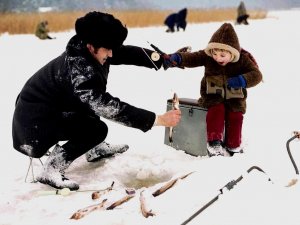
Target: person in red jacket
{"points": [[66, 99], [229, 72]]}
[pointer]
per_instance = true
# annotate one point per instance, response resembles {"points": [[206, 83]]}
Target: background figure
{"points": [[170, 22], [42, 30], [176, 19], [181, 19], [242, 14]]}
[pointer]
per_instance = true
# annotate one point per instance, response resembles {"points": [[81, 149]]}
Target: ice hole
{"points": [[138, 181]]}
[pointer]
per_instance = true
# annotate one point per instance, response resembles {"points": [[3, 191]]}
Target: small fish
{"points": [[144, 207], [175, 105], [168, 185], [292, 182], [98, 194], [120, 202], [83, 212]]}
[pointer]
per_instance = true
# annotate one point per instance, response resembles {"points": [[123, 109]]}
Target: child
{"points": [[229, 70]]}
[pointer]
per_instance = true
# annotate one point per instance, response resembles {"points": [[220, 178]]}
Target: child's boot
{"points": [[214, 148], [232, 151]]}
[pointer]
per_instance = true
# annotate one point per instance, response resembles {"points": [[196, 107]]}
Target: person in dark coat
{"points": [[177, 20], [170, 21], [242, 14], [181, 19], [229, 72], [66, 99]]}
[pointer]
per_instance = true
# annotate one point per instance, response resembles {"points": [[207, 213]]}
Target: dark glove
{"points": [[237, 82], [172, 60]]}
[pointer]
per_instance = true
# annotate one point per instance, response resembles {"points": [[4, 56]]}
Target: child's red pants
{"points": [[219, 117]]}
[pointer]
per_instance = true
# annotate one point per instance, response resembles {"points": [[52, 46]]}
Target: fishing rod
{"points": [[166, 57], [290, 154], [228, 186], [67, 191]]}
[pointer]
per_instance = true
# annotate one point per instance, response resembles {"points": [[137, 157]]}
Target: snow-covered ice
{"points": [[273, 113]]}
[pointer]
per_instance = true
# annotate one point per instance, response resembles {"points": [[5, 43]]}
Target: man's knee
{"points": [[31, 150], [101, 130], [96, 133]]}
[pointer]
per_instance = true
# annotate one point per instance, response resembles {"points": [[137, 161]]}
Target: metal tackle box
{"points": [[190, 134]]}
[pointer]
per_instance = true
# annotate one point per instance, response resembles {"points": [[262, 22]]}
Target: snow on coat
{"points": [[76, 82]]}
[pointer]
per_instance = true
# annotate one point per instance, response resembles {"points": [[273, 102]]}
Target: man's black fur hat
{"points": [[101, 30]]}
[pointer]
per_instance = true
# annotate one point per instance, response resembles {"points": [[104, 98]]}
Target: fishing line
{"points": [[156, 68]]}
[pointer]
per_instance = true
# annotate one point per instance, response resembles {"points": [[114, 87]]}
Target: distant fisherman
{"points": [[42, 30], [242, 14], [177, 20]]}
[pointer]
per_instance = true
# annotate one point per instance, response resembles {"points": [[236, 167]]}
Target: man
{"points": [[181, 19], [170, 22], [242, 14], [42, 30], [66, 98], [177, 20]]}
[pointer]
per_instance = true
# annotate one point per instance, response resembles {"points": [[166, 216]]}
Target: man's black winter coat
{"points": [[76, 82]]}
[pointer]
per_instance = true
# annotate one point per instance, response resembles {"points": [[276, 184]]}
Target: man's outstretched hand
{"points": [[169, 119]]}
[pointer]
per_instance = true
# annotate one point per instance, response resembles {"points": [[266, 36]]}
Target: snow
{"points": [[273, 113]]}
